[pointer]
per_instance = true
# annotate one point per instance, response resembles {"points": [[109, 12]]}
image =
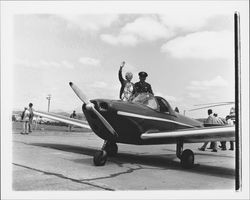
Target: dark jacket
{"points": [[142, 88]]}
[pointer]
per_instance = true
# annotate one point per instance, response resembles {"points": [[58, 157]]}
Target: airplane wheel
{"points": [[187, 159], [100, 158], [111, 149]]}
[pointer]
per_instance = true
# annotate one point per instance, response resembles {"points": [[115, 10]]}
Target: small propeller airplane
{"points": [[146, 120]]}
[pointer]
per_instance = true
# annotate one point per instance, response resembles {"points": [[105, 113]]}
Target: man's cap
{"points": [[143, 74]]}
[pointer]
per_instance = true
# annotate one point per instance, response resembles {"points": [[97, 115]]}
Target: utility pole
{"points": [[49, 98]]}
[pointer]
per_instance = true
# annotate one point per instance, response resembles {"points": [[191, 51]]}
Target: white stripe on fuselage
{"points": [[150, 117]]}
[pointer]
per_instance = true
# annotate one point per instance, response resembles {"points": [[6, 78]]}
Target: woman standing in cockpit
{"points": [[127, 86]]}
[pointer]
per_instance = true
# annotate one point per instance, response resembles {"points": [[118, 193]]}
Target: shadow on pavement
{"points": [[166, 162]]}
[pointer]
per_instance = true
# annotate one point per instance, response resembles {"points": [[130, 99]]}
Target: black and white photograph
{"points": [[125, 100]]}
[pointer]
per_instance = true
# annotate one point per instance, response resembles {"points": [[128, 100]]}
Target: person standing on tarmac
{"points": [[222, 122], [142, 86], [73, 115], [127, 86], [223, 146], [25, 119], [31, 116], [209, 122]]}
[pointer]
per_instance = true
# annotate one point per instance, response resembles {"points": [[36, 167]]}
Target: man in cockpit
{"points": [[142, 86]]}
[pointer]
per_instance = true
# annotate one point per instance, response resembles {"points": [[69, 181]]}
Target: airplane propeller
{"points": [[79, 93], [91, 106]]}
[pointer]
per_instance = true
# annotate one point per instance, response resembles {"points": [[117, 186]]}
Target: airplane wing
{"points": [[64, 119], [219, 133]]}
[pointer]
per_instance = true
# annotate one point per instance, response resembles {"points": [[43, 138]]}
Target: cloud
{"points": [[199, 18], [125, 40], [185, 22], [67, 64], [201, 45], [146, 28], [141, 29], [48, 64], [205, 85], [89, 61], [44, 64], [90, 22]]}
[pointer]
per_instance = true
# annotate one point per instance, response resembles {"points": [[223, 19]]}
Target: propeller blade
{"points": [[105, 122], [91, 106], [79, 93]]}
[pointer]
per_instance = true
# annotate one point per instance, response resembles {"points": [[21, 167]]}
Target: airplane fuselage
{"points": [[130, 120]]}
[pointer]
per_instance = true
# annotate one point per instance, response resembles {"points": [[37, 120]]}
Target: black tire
{"points": [[111, 149], [100, 158], [187, 159]]}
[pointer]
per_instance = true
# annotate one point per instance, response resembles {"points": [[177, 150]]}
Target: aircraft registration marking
{"points": [[150, 117]]}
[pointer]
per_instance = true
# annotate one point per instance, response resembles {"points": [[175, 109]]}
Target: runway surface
{"points": [[52, 159]]}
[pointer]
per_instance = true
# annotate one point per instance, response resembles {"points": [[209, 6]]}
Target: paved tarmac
{"points": [[48, 160]]}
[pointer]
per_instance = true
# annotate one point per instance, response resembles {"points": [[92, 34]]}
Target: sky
{"points": [[189, 56]]}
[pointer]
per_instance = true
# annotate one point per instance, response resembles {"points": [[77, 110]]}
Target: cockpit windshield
{"points": [[146, 99]]}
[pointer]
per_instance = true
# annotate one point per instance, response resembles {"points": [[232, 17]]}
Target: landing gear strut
{"points": [[186, 156], [108, 149], [111, 148]]}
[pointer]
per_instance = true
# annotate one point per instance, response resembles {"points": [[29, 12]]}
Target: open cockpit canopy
{"points": [[146, 99], [153, 102]]}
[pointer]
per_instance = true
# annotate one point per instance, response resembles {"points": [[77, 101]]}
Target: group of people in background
{"points": [[27, 118], [214, 120], [130, 90]]}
